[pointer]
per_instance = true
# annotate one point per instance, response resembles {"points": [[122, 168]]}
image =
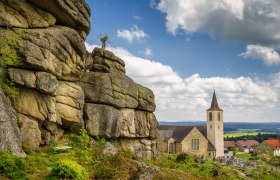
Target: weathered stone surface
{"points": [[72, 13], [30, 131], [128, 126], [45, 137], [70, 103], [23, 77], [140, 124], [146, 99], [10, 137], [117, 90], [153, 125], [57, 50], [19, 13], [107, 55], [37, 105], [112, 89], [143, 148], [46, 82], [106, 61], [109, 149], [41, 81], [103, 120]]}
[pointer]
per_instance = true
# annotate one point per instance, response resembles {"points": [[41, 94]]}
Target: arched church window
{"points": [[210, 116], [219, 116]]}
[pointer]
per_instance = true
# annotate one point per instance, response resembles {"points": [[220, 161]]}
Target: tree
{"points": [[234, 150], [275, 161]]}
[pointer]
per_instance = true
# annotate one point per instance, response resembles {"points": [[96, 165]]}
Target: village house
{"points": [[198, 140], [271, 145], [228, 145], [247, 145]]}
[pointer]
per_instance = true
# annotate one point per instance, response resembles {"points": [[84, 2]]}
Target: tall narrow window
{"points": [[195, 144], [210, 116], [219, 116]]}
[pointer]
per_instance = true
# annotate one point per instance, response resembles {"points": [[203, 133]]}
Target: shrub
{"points": [[9, 88], [26, 148], [104, 171], [81, 148], [11, 166], [69, 169], [181, 157]]}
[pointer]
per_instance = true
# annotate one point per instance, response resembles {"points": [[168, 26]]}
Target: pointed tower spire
{"points": [[214, 103]]}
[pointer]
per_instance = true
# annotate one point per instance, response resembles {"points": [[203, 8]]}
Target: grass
{"points": [[246, 156]]}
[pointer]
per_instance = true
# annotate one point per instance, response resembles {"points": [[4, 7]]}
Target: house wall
{"points": [[178, 148], [203, 143], [162, 145], [276, 152]]}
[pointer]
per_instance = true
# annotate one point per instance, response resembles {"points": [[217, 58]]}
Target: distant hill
{"points": [[232, 126]]}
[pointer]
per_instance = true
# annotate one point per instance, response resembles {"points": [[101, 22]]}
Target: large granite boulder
{"points": [[106, 61], [143, 148], [103, 120], [37, 105], [57, 50], [107, 88], [70, 104], [109, 122], [30, 130], [71, 13], [10, 137], [41, 81], [21, 14]]}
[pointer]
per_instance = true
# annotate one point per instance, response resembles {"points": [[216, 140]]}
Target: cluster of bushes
{"points": [[87, 160], [187, 163], [12, 167]]}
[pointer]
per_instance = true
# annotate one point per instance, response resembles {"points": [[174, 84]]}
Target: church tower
{"points": [[215, 126]]}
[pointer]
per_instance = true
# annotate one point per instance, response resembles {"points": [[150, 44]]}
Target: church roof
{"points": [[214, 103], [178, 133]]}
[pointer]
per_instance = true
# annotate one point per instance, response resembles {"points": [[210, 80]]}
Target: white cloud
{"points": [[179, 98], [268, 55], [148, 52], [152, 3], [249, 21], [133, 34]]}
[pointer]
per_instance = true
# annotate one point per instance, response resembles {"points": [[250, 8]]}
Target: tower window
{"points": [[210, 116], [211, 126], [195, 144], [218, 127], [219, 116]]}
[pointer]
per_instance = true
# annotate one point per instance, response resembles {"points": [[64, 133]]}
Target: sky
{"points": [[184, 49]]}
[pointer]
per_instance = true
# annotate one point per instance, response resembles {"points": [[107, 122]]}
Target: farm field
{"points": [[243, 133]]}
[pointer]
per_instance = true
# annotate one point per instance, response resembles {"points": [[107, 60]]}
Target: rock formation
{"points": [[61, 85]]}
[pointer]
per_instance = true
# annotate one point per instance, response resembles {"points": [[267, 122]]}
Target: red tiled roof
{"points": [[273, 143], [229, 144], [247, 143]]}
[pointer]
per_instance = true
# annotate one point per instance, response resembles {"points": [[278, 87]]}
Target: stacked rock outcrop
{"points": [[62, 86], [116, 107]]}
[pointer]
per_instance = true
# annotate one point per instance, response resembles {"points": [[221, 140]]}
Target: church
{"points": [[198, 140]]}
